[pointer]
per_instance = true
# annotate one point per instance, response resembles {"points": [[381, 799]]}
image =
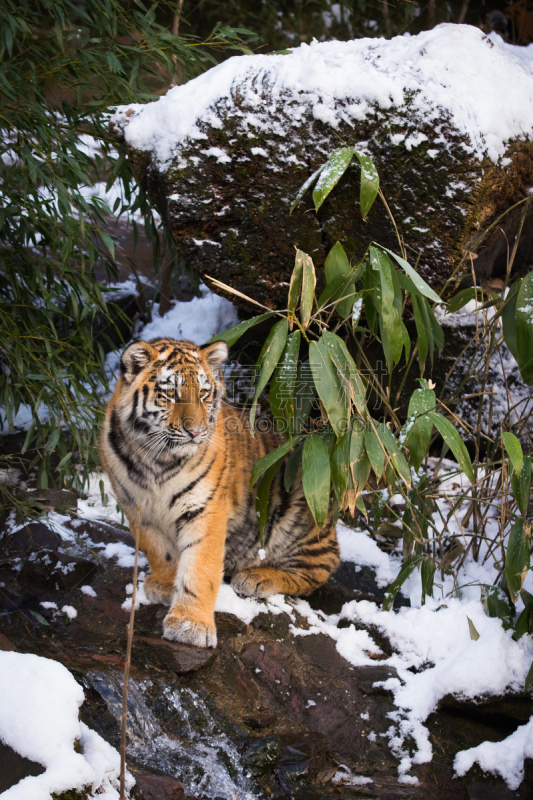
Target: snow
{"points": [[40, 703], [505, 758], [196, 320], [357, 546], [484, 86], [88, 590], [70, 611]]}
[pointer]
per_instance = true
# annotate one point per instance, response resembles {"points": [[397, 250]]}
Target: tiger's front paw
{"points": [[157, 592], [180, 629], [253, 583]]}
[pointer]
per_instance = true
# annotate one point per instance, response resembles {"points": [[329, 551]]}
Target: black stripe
{"points": [[191, 544], [190, 485], [113, 439], [317, 551], [131, 418], [189, 591], [188, 517]]}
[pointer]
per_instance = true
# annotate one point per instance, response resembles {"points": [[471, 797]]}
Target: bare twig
{"points": [[124, 720]]}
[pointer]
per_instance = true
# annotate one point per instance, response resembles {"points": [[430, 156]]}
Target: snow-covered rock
{"points": [[447, 116]]}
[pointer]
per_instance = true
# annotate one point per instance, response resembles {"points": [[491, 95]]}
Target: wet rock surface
{"points": [[267, 714]]}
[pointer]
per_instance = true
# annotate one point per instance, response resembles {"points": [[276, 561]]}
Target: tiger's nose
{"points": [[192, 433]]}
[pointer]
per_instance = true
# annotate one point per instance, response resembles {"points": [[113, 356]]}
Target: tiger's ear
{"points": [[135, 358], [215, 353]]}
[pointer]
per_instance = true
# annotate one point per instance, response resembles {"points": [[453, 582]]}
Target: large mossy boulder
{"points": [[446, 115]]}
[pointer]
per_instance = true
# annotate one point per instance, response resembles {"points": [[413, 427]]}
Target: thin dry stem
{"points": [[124, 719]]}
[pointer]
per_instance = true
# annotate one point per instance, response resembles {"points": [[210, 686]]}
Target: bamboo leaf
{"points": [[307, 185], [397, 458], [427, 573], [418, 281], [524, 329], [375, 452], [517, 557], [521, 484], [508, 313], [514, 451], [474, 635], [284, 381], [268, 359], [296, 281], [308, 290], [329, 386], [369, 183], [264, 463], [405, 572], [454, 442], [419, 425], [331, 173], [232, 335], [316, 477], [340, 466]]}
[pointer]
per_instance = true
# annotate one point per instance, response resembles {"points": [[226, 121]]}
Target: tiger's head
{"points": [[171, 391]]}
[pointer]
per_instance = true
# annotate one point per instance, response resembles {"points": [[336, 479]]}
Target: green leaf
{"points": [[329, 386], [296, 281], [308, 290], [53, 440], [264, 463], [419, 426], [340, 465], [423, 332], [263, 497], [268, 359], [427, 572], [385, 302], [292, 466], [419, 282], [460, 299], [524, 329], [336, 263], [232, 335], [517, 557], [331, 173], [496, 605], [316, 477], [474, 635], [454, 442], [347, 370], [39, 618], [284, 381], [508, 313], [405, 572], [521, 484], [304, 395], [397, 458], [369, 183], [359, 462], [307, 185], [514, 451], [335, 266], [374, 451]]}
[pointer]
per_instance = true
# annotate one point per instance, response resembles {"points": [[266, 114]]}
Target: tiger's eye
{"points": [[170, 392]]}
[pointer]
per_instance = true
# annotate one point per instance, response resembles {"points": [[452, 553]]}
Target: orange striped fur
{"points": [[173, 448]]}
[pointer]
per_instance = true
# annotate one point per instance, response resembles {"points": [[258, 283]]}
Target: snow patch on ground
{"points": [[40, 702], [482, 83]]}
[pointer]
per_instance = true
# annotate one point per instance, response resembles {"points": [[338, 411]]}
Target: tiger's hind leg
{"points": [[262, 582], [297, 565]]}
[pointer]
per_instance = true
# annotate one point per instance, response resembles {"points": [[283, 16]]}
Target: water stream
{"points": [[171, 730]]}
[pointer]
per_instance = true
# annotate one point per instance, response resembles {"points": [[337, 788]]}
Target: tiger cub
{"points": [[172, 448]]}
